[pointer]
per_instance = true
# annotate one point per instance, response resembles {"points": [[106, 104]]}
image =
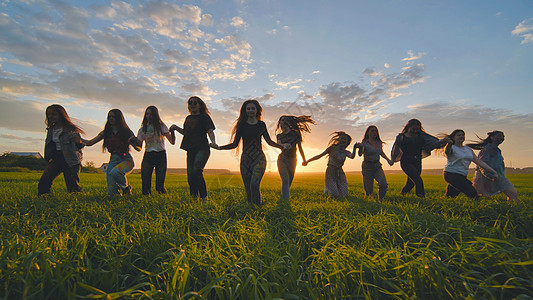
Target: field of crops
{"points": [[91, 245]]}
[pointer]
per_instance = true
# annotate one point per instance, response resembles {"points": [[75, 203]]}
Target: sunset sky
{"points": [[349, 64]]}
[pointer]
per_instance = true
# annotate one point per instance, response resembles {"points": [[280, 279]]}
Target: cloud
{"points": [[525, 30], [237, 22], [412, 56], [285, 84]]}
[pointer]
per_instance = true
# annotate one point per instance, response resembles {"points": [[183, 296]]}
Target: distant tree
{"points": [[90, 167]]}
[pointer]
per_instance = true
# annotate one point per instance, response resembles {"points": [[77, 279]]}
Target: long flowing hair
{"points": [[336, 136], [65, 119], [366, 137], [298, 123], [243, 117], [124, 131], [411, 123], [483, 142], [203, 106], [155, 121], [440, 151]]}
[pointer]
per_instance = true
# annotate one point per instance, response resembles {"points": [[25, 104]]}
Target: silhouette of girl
{"points": [[153, 132], [492, 155], [62, 150], [336, 184], [410, 146], [251, 129], [290, 130], [371, 147], [197, 126], [116, 136]]}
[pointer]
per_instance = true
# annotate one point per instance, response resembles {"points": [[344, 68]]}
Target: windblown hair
{"points": [[65, 119], [412, 122], [336, 137], [203, 106], [243, 117], [366, 137], [124, 131], [155, 121], [440, 151], [298, 123], [483, 142]]}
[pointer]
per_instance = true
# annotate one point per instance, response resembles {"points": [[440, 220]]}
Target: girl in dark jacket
{"points": [[410, 146], [62, 150]]}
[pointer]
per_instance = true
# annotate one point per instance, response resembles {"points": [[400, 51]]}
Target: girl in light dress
{"points": [[492, 155], [336, 184]]}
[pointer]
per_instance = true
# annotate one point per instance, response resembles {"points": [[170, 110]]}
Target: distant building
{"points": [[34, 154]]}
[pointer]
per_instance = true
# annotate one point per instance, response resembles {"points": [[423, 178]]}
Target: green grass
{"points": [[91, 245]]}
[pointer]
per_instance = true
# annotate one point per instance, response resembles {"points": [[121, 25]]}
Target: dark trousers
{"points": [[196, 161], [158, 161], [56, 166], [412, 167], [458, 183]]}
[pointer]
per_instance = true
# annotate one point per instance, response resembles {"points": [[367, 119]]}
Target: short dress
{"points": [[336, 183], [486, 185]]}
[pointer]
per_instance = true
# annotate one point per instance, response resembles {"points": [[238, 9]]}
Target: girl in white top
{"points": [[153, 132], [459, 158]]}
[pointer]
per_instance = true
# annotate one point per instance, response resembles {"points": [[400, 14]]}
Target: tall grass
{"points": [[91, 245]]}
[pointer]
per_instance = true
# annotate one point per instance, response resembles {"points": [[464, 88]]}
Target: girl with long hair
{"points": [[458, 159], [410, 146], [371, 148], [336, 184], [196, 128], [62, 150], [250, 128], [153, 132], [290, 130], [492, 155], [116, 136]]}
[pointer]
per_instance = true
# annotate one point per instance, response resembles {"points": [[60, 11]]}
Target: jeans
{"points": [[458, 183], [154, 160], [56, 166], [412, 167], [371, 171], [196, 161], [120, 164], [286, 169]]}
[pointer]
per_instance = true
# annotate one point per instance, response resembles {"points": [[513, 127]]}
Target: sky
{"points": [[348, 64]]}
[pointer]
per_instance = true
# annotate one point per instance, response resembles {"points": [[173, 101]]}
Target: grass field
{"points": [[91, 245]]}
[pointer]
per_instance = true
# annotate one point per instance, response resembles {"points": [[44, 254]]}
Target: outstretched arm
{"points": [[484, 165], [389, 161], [175, 127], [352, 154], [269, 141], [94, 140], [316, 157]]}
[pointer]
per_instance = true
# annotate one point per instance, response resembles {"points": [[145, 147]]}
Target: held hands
{"points": [[132, 140], [304, 163], [214, 146], [391, 162], [173, 127]]}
